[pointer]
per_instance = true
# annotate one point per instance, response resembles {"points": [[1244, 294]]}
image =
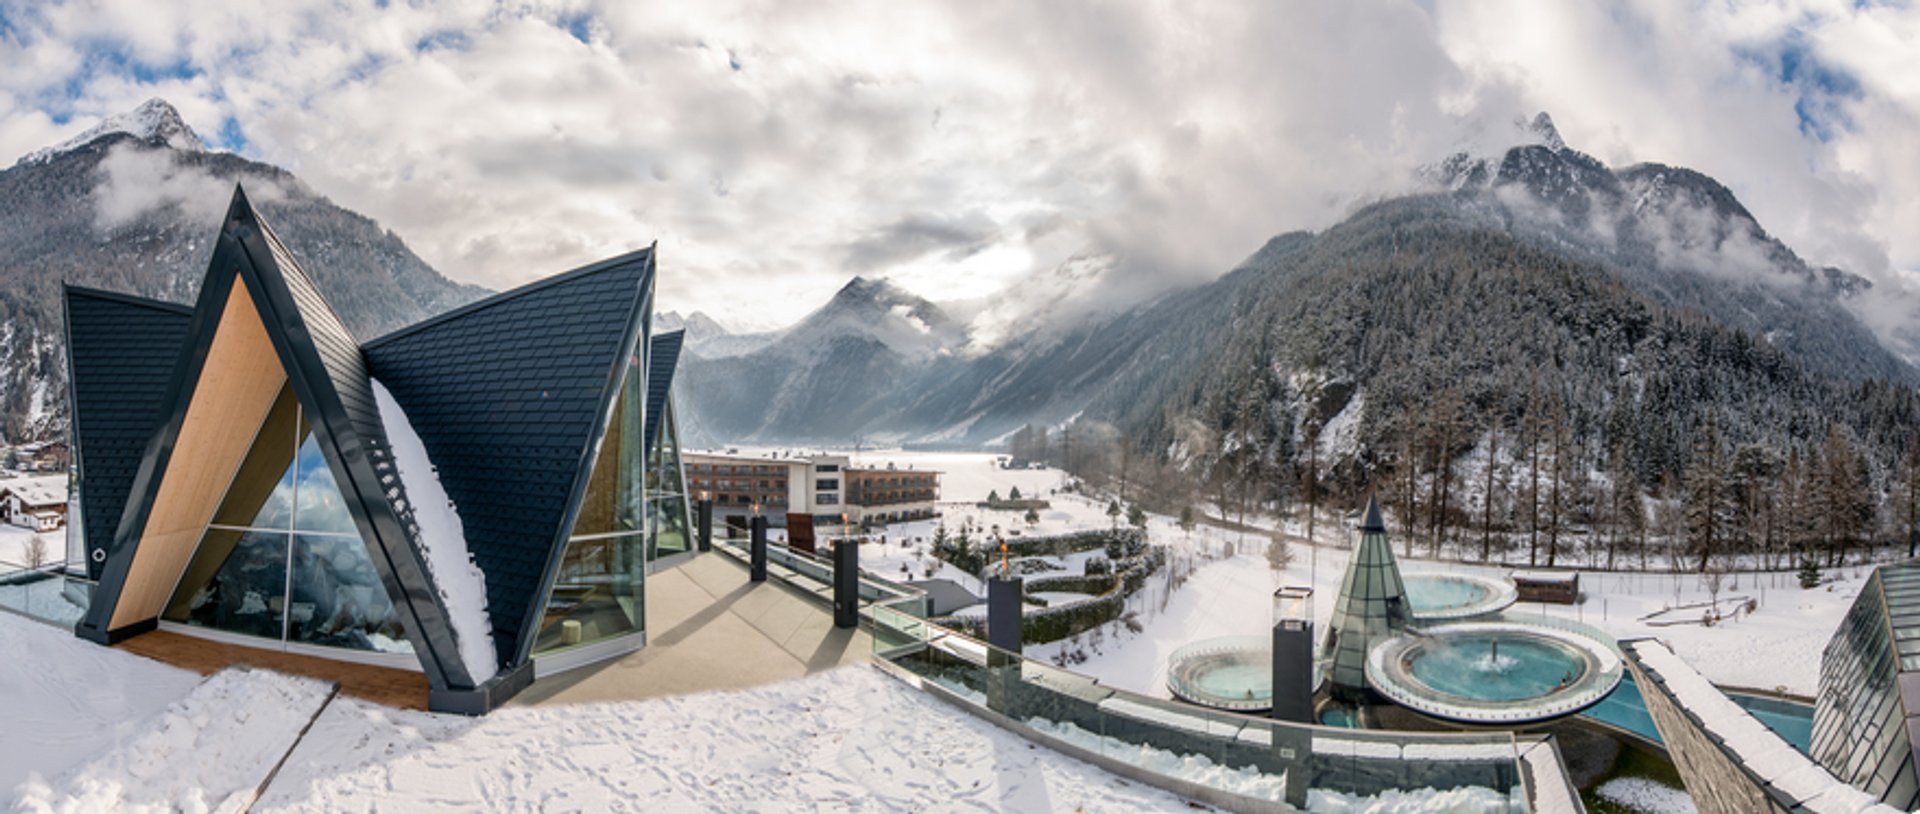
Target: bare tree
{"points": [[1562, 440], [1530, 433], [1486, 513], [1312, 431], [36, 551]]}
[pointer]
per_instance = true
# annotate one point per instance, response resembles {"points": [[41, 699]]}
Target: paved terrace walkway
{"points": [[708, 628]]}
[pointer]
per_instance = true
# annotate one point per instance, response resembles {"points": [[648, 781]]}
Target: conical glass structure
{"points": [[1371, 607]]}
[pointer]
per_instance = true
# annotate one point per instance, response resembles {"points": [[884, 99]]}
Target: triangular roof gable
{"points": [[327, 371], [512, 424], [663, 358], [121, 351]]}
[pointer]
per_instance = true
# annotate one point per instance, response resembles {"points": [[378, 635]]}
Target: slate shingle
{"points": [[663, 357], [507, 394], [121, 351]]}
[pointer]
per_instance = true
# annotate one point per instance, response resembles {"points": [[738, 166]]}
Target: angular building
{"points": [[1371, 607], [1866, 718], [478, 496]]}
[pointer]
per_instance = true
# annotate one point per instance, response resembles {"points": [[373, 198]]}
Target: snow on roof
{"points": [[47, 490], [1552, 789], [1769, 757], [1546, 576]]}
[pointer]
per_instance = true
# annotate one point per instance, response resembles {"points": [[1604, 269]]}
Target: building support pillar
{"points": [[846, 582], [1004, 595], [757, 549], [703, 513]]}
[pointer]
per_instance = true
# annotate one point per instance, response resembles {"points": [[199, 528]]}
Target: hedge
{"points": [[1051, 624]]}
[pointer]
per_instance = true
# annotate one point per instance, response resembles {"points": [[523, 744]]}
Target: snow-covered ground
{"points": [[846, 739], [210, 751], [1645, 796], [105, 730], [63, 700], [14, 541]]}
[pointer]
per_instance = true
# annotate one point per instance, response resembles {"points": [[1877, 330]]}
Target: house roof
{"points": [[35, 492], [121, 352], [511, 421], [663, 356]]}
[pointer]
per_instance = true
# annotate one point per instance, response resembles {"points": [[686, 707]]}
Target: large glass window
{"points": [[283, 559], [599, 591], [668, 533]]}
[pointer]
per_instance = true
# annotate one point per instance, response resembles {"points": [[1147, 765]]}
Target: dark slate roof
{"points": [[339, 352], [121, 355], [509, 395], [663, 356]]}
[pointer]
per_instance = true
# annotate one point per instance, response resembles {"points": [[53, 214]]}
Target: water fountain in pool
{"points": [[1502, 671]]}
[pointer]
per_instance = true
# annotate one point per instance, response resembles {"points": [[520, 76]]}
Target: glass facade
{"points": [[598, 594], [283, 559], [1372, 606], [670, 531], [1860, 724]]}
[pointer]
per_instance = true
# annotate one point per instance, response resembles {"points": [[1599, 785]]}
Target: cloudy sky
{"points": [[775, 149]]}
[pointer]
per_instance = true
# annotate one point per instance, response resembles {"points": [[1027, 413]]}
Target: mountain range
{"points": [[131, 205], [1646, 302], [1642, 299]]}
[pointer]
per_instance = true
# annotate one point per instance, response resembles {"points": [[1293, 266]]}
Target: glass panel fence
{"points": [[46, 595]]}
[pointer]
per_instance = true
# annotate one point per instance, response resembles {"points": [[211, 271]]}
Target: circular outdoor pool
{"points": [[1234, 673], [1456, 596], [1503, 671]]}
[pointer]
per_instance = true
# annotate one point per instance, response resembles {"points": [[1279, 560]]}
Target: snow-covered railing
{"points": [[1240, 762]]}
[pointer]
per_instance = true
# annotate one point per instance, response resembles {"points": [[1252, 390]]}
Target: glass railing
{"points": [[1312, 767], [49, 594]]}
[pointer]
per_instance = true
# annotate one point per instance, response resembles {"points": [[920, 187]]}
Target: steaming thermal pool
{"points": [[1232, 673], [1482, 667], [1456, 596], [1502, 671]]}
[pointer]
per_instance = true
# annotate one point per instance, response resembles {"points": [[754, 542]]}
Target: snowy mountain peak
{"points": [[1542, 127], [879, 309], [155, 122], [1479, 165]]}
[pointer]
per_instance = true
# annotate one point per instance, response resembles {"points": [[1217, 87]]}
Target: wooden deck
{"points": [[382, 685]]}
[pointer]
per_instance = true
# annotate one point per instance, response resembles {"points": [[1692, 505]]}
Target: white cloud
{"points": [[134, 181], [775, 149]]}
